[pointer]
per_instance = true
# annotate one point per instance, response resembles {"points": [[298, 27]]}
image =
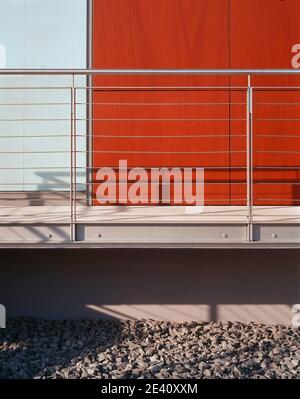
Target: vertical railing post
{"points": [[89, 108], [74, 163], [72, 227], [249, 161]]}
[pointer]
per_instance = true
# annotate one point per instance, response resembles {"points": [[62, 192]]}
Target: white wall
{"points": [[171, 284], [39, 34]]}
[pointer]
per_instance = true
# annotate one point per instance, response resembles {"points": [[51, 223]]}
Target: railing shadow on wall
{"points": [[167, 284]]}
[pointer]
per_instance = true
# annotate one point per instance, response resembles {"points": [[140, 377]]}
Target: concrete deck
{"points": [[152, 214], [150, 226]]}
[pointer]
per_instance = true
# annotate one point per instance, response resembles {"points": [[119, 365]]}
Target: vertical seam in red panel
{"points": [[229, 100]]}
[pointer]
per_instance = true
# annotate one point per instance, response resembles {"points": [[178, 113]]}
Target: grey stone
{"points": [[35, 348]]}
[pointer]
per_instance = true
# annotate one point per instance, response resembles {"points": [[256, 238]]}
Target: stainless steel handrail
{"points": [[93, 71], [89, 169]]}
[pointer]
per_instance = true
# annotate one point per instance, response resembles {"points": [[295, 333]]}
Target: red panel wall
{"points": [[262, 34], [165, 127], [163, 34]]}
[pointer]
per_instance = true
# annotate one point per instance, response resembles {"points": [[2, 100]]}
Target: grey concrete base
{"points": [[172, 284]]}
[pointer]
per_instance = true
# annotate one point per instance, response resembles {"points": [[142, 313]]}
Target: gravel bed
{"points": [[33, 348]]}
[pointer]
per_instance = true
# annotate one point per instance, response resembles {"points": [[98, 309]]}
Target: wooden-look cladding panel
{"points": [[161, 33], [195, 127], [182, 127], [262, 34]]}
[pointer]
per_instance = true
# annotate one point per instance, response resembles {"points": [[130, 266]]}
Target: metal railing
{"points": [[54, 137]]}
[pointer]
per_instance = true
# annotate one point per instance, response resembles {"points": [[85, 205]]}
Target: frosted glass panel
{"points": [[39, 34]]}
